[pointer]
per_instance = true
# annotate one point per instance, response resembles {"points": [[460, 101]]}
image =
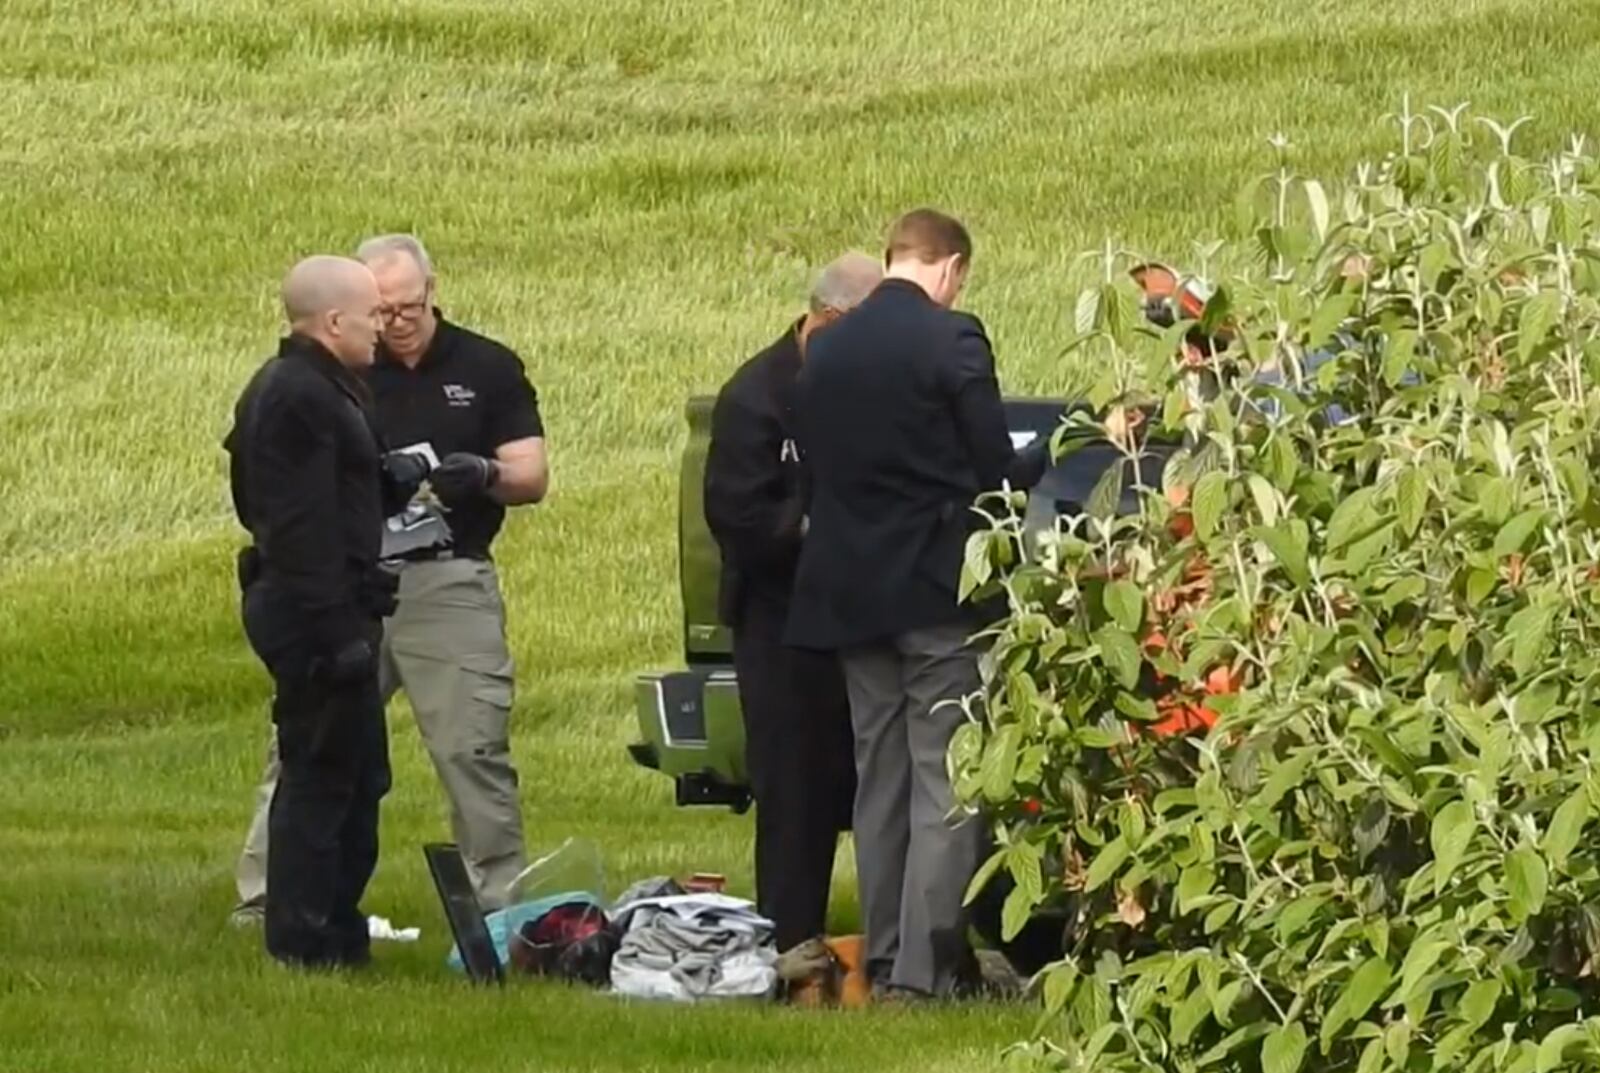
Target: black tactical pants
{"points": [[800, 759], [323, 824]]}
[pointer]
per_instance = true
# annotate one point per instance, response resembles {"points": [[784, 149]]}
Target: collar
{"points": [[908, 286], [439, 347], [297, 347]]}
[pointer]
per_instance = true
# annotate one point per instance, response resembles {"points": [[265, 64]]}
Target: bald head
{"points": [[334, 300], [844, 282]]}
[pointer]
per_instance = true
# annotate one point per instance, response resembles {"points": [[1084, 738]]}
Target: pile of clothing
{"points": [[688, 947], [656, 941]]}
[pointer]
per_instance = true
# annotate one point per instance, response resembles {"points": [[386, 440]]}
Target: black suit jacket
{"points": [[754, 496], [898, 412]]}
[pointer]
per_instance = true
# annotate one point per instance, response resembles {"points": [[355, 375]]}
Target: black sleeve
{"points": [[746, 502], [513, 406], [294, 478], [980, 416]]}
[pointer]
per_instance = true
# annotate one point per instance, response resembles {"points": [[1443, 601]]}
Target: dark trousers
{"points": [[913, 858], [802, 773], [323, 823]]}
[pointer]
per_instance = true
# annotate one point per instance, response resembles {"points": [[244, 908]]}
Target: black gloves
{"points": [[461, 476], [403, 474], [405, 467]]}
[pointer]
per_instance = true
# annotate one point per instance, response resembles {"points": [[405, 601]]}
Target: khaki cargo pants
{"points": [[445, 646]]}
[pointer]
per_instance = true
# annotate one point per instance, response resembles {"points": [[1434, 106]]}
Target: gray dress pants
{"points": [[913, 858]]}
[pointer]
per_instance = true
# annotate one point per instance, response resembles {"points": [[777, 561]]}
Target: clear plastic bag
{"points": [[557, 923]]}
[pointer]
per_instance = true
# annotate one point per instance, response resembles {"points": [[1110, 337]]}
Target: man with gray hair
{"points": [[463, 400], [796, 711]]}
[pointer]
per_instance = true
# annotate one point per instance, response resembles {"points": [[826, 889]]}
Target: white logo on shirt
{"points": [[789, 452], [459, 394]]}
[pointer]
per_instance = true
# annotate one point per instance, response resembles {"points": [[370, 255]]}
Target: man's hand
{"points": [[405, 467], [404, 472], [461, 476]]}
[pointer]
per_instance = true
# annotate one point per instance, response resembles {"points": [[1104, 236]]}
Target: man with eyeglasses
{"points": [[464, 400]]}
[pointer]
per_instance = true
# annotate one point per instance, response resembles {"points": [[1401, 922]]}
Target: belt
{"points": [[435, 555]]}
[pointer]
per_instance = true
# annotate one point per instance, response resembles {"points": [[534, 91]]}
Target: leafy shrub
{"points": [[1372, 565]]}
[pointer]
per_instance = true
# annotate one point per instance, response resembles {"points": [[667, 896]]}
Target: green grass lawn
{"points": [[633, 193]]}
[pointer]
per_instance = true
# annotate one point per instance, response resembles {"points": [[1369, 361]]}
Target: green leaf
{"points": [[1218, 918], [1575, 479], [1333, 311], [1566, 828], [1294, 917], [1365, 987], [1552, 1049], [1140, 708], [1371, 1057], [1529, 630], [1514, 534], [1495, 499], [1527, 881], [1059, 981], [1539, 315], [1195, 883], [1120, 653], [1420, 959], [999, 767], [984, 874], [976, 565], [1124, 603], [1189, 1016], [1088, 310], [1450, 835], [1411, 499], [1284, 1049], [1397, 360], [1397, 1042], [1480, 583], [1016, 913], [1352, 519], [1106, 495], [1173, 407], [1317, 202], [1116, 314], [1106, 864], [1210, 499], [1231, 1043], [1285, 777], [1285, 543], [1477, 1005], [1266, 498], [1098, 1043], [1283, 464]]}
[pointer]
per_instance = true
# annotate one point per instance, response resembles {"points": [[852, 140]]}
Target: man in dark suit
{"points": [[899, 415], [796, 712]]}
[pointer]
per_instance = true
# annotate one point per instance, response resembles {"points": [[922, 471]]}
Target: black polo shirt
{"points": [[467, 393]]}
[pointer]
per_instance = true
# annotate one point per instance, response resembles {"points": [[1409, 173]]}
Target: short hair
{"points": [[844, 282], [383, 247], [320, 283], [928, 235]]}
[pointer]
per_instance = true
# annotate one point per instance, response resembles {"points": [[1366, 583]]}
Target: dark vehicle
{"points": [[690, 726]]}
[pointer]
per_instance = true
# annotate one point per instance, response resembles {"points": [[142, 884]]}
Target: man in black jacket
{"points": [[311, 484], [796, 712], [900, 418]]}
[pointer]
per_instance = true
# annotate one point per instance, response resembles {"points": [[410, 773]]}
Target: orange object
{"points": [[845, 985], [706, 883]]}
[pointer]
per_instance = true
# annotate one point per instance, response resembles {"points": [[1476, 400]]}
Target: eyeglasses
{"points": [[407, 311]]}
